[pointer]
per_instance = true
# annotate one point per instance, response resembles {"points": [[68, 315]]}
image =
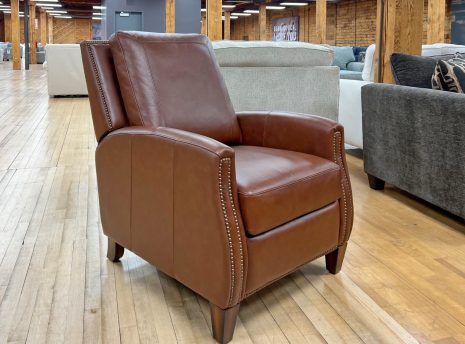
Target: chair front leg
{"points": [[223, 322], [334, 259], [115, 251]]}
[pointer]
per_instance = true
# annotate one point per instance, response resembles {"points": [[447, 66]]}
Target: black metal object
{"points": [[26, 35], [380, 40]]}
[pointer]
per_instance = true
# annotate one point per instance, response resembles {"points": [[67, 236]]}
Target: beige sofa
{"points": [[65, 74], [280, 76]]}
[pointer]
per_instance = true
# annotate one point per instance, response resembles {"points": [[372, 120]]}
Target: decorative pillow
{"points": [[450, 75], [342, 56], [413, 71]]}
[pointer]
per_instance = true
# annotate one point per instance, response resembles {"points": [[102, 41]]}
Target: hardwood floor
{"points": [[403, 280]]}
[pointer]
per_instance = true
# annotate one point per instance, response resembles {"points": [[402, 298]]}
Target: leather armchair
{"points": [[224, 203]]}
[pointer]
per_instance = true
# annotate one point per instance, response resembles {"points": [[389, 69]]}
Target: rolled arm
{"points": [[291, 131], [171, 197], [306, 134]]}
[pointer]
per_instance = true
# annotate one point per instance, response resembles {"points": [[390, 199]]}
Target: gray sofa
{"points": [[414, 139]]}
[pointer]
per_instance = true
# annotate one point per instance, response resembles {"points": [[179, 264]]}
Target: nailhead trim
{"points": [[236, 220], [337, 136], [99, 81], [228, 228]]}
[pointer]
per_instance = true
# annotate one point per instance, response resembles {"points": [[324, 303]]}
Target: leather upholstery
{"points": [[267, 176], [284, 249], [306, 134], [104, 93], [180, 85], [169, 187]]}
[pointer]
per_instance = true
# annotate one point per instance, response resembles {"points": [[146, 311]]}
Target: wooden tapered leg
{"points": [[375, 183], [334, 259], [223, 322], [115, 251]]}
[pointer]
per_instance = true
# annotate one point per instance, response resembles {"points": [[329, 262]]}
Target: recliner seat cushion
{"points": [[277, 186], [174, 81]]}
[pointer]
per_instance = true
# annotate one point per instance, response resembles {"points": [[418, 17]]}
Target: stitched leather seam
{"points": [[228, 228], [231, 197], [99, 81], [292, 183], [290, 272]]}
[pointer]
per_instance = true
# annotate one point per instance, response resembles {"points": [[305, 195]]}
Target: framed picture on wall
{"points": [[286, 29]]}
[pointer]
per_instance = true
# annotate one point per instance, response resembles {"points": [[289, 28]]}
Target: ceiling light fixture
{"points": [[293, 4], [275, 7], [240, 14]]}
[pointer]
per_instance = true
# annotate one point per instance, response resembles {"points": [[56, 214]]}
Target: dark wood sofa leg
{"points": [[115, 251], [334, 259], [223, 322], [375, 183]]}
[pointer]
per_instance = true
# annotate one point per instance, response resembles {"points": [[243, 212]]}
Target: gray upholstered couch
{"points": [[280, 76], [414, 139]]}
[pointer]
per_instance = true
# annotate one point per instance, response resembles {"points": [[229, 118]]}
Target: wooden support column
{"points": [[15, 34], [321, 21], [436, 21], [262, 22], [43, 27], [214, 20], [402, 33], [170, 17], [227, 25], [50, 28], [32, 33]]}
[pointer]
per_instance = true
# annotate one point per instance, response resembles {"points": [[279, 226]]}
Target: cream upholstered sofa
{"points": [[280, 76], [65, 73], [350, 101]]}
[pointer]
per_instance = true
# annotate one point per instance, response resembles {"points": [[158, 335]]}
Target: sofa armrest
{"points": [[413, 138], [171, 197], [306, 134]]}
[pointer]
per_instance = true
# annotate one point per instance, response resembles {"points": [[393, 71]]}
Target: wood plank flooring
{"points": [[403, 280]]}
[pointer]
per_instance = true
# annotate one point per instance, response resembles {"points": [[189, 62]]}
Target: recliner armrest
{"points": [[171, 197], [181, 136], [291, 131]]}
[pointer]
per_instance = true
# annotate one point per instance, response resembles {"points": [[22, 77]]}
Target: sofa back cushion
{"points": [[271, 54], [173, 80], [343, 56], [413, 71]]}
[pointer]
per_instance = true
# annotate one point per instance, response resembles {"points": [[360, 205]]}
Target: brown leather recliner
{"points": [[225, 203]]}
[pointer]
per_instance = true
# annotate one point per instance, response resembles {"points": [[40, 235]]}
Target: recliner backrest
{"points": [[174, 80], [107, 106]]}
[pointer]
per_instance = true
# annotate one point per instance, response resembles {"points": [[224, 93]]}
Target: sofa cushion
{"points": [[277, 186], [271, 54], [343, 56], [174, 81], [350, 75], [450, 75], [413, 71]]}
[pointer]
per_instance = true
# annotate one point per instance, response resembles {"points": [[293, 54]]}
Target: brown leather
{"points": [[282, 186], [172, 195], [102, 84], [178, 207], [174, 81], [306, 134], [284, 249]]}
